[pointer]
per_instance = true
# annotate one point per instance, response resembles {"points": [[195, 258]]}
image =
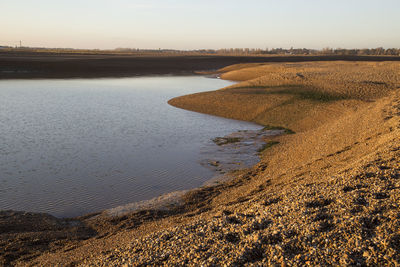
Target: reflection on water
{"points": [[69, 147]]}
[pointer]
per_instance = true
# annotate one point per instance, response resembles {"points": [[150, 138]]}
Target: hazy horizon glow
{"points": [[179, 24]]}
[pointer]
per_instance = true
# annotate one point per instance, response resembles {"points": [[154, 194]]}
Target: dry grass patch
{"points": [[267, 145]]}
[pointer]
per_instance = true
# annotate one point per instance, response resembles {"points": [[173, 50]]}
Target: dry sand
{"points": [[327, 195]]}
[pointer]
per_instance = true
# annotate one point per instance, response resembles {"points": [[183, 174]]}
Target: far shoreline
{"points": [[36, 65]]}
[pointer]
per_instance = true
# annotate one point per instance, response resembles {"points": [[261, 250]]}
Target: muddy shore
{"points": [[327, 195]]}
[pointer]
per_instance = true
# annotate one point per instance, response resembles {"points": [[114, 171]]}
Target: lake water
{"points": [[70, 147]]}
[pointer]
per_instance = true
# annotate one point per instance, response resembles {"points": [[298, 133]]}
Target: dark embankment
{"points": [[16, 65]]}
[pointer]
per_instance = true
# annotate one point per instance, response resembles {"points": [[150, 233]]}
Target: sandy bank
{"points": [[294, 95], [328, 194]]}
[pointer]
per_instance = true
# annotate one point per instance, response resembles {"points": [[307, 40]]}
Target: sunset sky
{"points": [[185, 24]]}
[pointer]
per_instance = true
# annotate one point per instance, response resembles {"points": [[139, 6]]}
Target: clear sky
{"points": [[186, 24]]}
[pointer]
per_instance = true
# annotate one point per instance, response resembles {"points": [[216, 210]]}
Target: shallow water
{"points": [[70, 147]]}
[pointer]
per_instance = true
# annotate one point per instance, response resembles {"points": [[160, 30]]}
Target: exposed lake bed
{"points": [[236, 150]]}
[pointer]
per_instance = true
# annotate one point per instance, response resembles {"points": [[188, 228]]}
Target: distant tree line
{"points": [[274, 51], [306, 51], [380, 51]]}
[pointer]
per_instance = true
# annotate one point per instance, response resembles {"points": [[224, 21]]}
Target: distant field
{"points": [[26, 64]]}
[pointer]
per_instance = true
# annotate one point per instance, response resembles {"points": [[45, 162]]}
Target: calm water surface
{"points": [[70, 147]]}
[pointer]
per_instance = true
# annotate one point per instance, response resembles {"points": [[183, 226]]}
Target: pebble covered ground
{"points": [[353, 218]]}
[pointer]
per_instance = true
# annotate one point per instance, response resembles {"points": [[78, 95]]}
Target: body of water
{"points": [[70, 147]]}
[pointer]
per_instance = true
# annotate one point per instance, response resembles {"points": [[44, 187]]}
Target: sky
{"points": [[205, 24]]}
